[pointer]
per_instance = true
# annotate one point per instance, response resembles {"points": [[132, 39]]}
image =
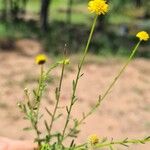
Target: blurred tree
{"points": [[17, 7], [23, 6], [69, 18], [69, 11], [4, 9], [102, 21], [119, 4], [14, 9], [44, 14], [138, 3]]}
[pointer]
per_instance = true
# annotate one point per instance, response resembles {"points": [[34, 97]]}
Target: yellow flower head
{"points": [[40, 59], [98, 6], [143, 36], [93, 139], [65, 61]]}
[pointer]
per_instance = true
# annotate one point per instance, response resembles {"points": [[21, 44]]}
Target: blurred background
{"points": [[29, 27], [58, 22]]}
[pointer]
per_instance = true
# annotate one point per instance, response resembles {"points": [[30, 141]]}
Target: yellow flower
{"points": [[65, 61], [98, 6], [40, 59], [143, 36], [93, 139]]}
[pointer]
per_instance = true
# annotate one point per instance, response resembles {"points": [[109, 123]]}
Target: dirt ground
{"points": [[124, 113]]}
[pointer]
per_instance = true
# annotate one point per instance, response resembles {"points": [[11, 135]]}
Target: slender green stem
{"points": [[120, 72], [37, 133], [39, 92], [109, 87], [113, 82], [51, 68], [32, 109], [38, 96], [124, 142], [73, 98], [57, 98], [40, 82], [89, 40]]}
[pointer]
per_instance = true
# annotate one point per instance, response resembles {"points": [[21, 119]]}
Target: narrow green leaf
{"points": [[48, 112], [46, 125], [27, 128]]}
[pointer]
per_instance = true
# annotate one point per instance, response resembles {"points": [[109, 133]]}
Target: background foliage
{"points": [[46, 20]]}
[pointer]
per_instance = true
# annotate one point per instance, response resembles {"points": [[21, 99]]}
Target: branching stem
{"points": [[73, 97], [101, 98], [57, 98]]}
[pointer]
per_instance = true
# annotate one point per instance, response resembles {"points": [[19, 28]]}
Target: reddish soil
{"points": [[124, 113]]}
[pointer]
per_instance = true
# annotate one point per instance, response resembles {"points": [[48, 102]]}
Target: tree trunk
{"points": [[14, 9], [44, 14], [69, 20], [138, 3], [69, 11], [23, 6], [4, 10], [101, 22]]}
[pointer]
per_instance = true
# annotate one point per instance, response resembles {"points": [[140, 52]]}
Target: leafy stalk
{"points": [[75, 82], [32, 105], [126, 142], [101, 98], [35, 113], [58, 92]]}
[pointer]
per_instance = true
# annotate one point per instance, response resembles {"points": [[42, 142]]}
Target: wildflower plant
{"points": [[31, 105]]}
